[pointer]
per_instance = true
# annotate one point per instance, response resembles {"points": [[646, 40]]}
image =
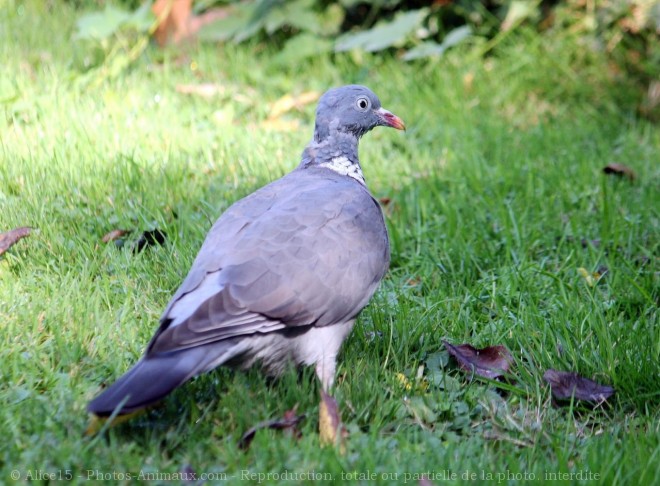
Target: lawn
{"points": [[497, 199]]}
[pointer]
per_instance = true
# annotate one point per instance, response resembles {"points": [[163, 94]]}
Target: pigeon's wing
{"points": [[307, 249]]}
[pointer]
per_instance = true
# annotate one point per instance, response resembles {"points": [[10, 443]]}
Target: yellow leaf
{"points": [[331, 430], [288, 102], [205, 90]]}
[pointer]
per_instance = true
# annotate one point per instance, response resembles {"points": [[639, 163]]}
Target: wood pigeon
{"points": [[282, 274]]}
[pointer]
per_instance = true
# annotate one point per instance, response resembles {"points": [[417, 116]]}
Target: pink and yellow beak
{"points": [[390, 119]]}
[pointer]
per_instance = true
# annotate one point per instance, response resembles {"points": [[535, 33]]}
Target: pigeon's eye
{"points": [[362, 103]]}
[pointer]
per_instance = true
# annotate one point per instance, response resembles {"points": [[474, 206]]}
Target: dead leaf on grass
{"points": [[565, 384], [331, 430], [491, 362], [288, 102], [620, 170], [289, 423], [205, 90], [9, 238], [114, 235], [388, 205], [177, 23], [174, 20]]}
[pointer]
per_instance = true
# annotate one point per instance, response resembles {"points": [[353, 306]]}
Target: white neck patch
{"points": [[341, 165]]}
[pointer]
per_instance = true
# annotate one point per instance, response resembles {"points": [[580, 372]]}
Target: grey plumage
{"points": [[282, 274]]}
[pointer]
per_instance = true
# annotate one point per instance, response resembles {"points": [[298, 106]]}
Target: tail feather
{"points": [[153, 377]]}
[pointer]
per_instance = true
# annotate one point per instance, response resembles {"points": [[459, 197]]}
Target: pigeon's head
{"points": [[352, 109]]}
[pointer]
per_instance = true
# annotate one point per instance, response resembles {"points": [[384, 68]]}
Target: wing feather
{"points": [[307, 249]]}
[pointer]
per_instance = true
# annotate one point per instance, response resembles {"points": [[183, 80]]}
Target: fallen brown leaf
{"points": [[620, 170], [490, 362], [289, 423], [389, 206], [205, 90], [114, 235], [288, 102], [9, 238], [331, 430], [565, 384], [173, 20], [176, 22]]}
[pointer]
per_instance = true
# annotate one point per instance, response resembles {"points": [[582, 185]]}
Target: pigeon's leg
{"points": [[330, 339], [325, 370]]}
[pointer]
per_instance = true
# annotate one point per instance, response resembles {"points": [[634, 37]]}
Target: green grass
{"points": [[492, 189]]}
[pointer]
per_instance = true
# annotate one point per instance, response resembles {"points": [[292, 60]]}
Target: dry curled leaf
{"points": [[288, 423], [620, 170], [288, 102], [174, 20], [490, 362], [388, 205], [565, 384], [331, 430], [177, 23], [8, 238], [114, 235]]}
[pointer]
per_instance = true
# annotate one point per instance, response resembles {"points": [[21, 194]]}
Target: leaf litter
{"points": [[490, 362], [566, 384], [620, 170], [9, 238], [331, 429], [289, 423]]}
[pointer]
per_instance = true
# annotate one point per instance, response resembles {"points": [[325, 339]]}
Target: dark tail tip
{"points": [[150, 380], [155, 376]]}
